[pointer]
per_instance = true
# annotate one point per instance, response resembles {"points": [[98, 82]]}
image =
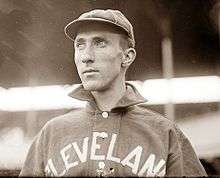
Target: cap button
{"points": [[105, 114]]}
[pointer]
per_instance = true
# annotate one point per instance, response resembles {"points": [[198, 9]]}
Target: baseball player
{"points": [[114, 135]]}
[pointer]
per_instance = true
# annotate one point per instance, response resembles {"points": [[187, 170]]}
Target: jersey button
{"points": [[105, 114]]}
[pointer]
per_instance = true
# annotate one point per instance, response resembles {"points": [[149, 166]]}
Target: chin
{"points": [[93, 86]]}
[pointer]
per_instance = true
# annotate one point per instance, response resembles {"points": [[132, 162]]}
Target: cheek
{"points": [[112, 65], [116, 60], [77, 60], [112, 57], [76, 57]]}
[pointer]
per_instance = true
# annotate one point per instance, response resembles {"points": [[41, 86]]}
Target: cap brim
{"points": [[71, 29]]}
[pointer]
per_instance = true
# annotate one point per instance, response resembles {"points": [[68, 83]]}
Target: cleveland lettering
{"points": [[131, 160]]}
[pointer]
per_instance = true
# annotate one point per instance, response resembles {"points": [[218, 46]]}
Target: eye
{"points": [[101, 43], [79, 45]]}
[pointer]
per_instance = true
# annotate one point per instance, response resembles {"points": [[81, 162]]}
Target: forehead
{"points": [[98, 29]]}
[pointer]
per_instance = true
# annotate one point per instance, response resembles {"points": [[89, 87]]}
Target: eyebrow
{"points": [[100, 38], [79, 40]]}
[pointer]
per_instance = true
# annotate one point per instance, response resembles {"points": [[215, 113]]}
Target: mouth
{"points": [[90, 71]]}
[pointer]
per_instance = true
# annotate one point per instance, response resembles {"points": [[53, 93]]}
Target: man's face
{"points": [[98, 56]]}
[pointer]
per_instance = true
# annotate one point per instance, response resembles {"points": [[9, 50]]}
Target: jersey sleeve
{"points": [[182, 159], [34, 163]]}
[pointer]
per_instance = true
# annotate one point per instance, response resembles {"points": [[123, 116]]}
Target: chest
{"points": [[107, 146]]}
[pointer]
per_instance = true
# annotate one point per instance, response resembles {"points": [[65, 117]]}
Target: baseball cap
{"points": [[109, 16]]}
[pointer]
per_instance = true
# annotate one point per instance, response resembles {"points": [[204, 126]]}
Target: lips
{"points": [[91, 70]]}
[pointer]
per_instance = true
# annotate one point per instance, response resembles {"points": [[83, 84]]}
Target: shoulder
{"points": [[154, 121], [70, 120], [151, 118], [158, 123]]}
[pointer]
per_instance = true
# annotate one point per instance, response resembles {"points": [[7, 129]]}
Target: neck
{"points": [[107, 99]]}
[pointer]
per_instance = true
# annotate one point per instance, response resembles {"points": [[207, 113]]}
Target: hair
{"points": [[126, 42]]}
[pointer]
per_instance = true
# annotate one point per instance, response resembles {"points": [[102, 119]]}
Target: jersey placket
{"points": [[106, 125]]}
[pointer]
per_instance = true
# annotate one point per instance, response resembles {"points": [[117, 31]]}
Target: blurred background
{"points": [[177, 68]]}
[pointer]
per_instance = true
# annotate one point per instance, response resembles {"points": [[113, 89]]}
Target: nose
{"points": [[88, 55]]}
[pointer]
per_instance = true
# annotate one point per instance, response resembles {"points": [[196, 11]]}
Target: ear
{"points": [[129, 57]]}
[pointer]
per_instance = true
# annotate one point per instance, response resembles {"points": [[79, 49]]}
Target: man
{"points": [[114, 135]]}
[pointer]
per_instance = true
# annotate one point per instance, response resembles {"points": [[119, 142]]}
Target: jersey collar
{"points": [[130, 98]]}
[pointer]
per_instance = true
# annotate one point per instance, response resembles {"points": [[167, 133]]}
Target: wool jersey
{"points": [[129, 140]]}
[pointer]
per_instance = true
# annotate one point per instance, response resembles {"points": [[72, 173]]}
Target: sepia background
{"points": [[177, 68]]}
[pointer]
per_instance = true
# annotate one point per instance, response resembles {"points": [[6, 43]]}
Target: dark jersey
{"points": [[130, 140]]}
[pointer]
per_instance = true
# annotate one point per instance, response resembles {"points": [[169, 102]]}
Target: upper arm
{"points": [[182, 159], [34, 163]]}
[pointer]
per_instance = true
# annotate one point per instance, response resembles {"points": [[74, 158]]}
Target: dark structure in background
{"points": [[34, 50]]}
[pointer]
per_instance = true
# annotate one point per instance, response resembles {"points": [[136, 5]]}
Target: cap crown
{"points": [[114, 17]]}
